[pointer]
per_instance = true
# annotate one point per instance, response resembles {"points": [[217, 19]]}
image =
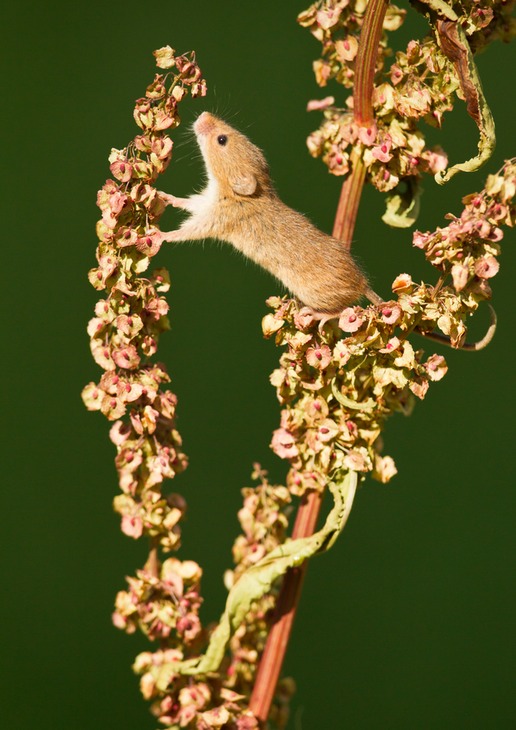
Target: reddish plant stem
{"points": [[308, 512], [153, 564], [363, 113], [284, 613], [349, 201], [365, 66]]}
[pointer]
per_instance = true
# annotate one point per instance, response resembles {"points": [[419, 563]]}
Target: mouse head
{"points": [[231, 159]]}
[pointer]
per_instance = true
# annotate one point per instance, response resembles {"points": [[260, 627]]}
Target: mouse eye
{"points": [[222, 139]]}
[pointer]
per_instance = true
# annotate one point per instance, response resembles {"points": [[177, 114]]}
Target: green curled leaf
{"points": [[258, 579], [402, 205], [455, 46], [441, 8], [366, 405]]}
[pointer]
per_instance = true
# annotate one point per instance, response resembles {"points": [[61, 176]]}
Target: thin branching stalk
{"points": [[349, 201], [279, 635], [337, 385], [351, 193], [308, 512], [366, 61]]}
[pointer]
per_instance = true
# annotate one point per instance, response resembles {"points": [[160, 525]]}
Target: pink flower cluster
{"points": [[337, 24], [128, 321], [392, 148], [163, 599], [263, 518], [339, 382], [203, 705], [468, 248], [421, 84], [487, 21], [264, 521]]}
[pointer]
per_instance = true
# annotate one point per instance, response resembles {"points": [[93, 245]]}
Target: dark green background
{"points": [[408, 622]]}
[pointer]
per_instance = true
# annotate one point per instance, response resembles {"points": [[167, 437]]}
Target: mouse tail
{"points": [[468, 346], [373, 297]]}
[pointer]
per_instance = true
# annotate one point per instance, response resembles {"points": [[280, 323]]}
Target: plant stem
{"points": [[284, 613], [152, 565], [349, 201], [363, 113], [365, 66], [308, 512]]}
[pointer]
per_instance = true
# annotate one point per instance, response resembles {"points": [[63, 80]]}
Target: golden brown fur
{"points": [[239, 205]]}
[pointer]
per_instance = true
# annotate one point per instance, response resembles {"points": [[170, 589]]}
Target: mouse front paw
{"points": [[170, 236], [172, 200]]}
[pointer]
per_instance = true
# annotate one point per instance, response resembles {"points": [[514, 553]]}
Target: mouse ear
{"points": [[243, 183]]}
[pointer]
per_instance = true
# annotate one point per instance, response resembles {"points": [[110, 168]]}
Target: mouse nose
{"points": [[204, 123]]}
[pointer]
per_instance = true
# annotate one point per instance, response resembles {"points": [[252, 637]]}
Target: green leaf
{"points": [[258, 579], [366, 405], [455, 46], [402, 208]]}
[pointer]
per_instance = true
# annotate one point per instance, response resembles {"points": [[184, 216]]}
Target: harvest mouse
{"points": [[240, 205]]}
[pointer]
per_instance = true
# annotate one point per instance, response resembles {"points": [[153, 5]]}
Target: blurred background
{"points": [[408, 621]]}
